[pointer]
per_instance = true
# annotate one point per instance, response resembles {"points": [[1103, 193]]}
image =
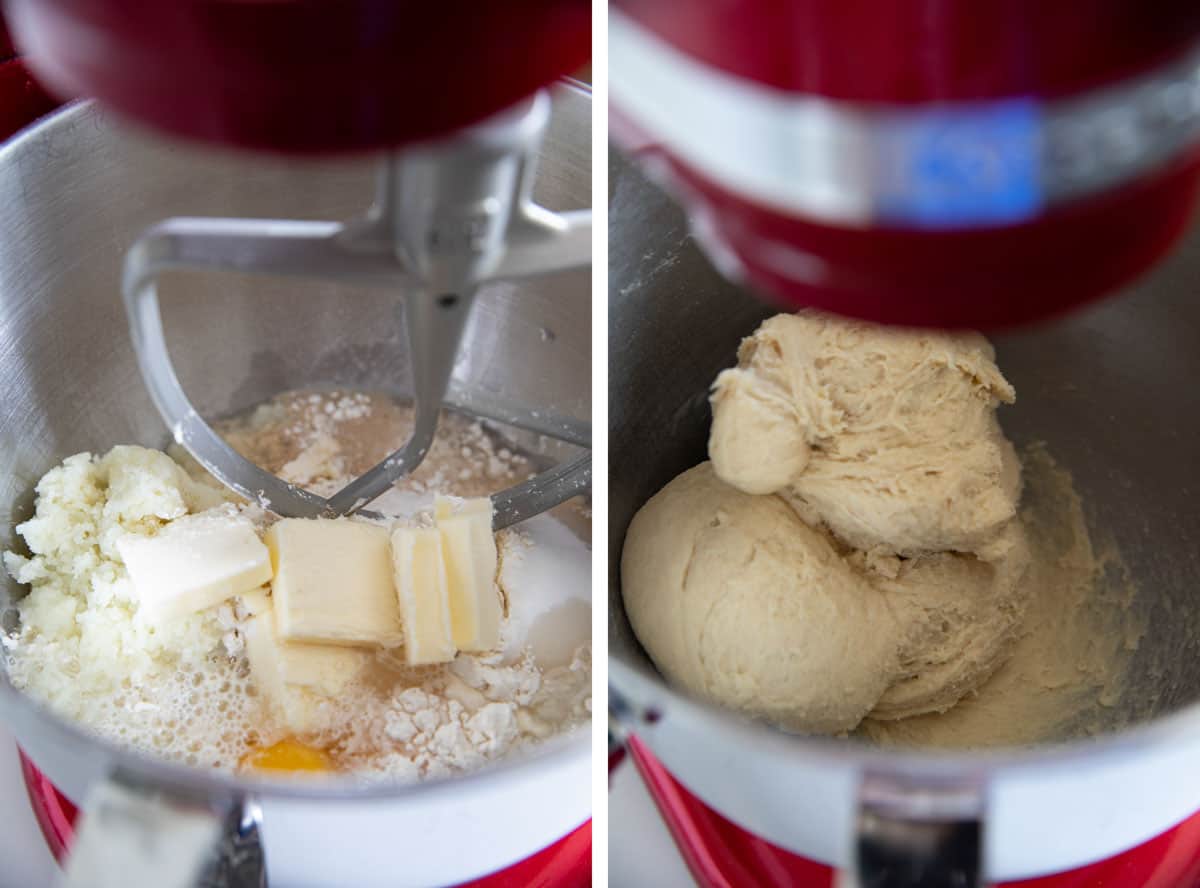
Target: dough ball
{"points": [[889, 435], [739, 601], [853, 548], [756, 441]]}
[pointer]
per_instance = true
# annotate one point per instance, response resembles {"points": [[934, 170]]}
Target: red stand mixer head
{"points": [[303, 76], [943, 163], [453, 210], [958, 165]]}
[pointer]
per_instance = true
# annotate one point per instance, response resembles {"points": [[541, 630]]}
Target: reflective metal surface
{"points": [[945, 164], [75, 192], [896, 849], [447, 219], [1112, 393]]}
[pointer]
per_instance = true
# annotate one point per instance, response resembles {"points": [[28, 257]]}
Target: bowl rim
{"points": [[957, 766]]}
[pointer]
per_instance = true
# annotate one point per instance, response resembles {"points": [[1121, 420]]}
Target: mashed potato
{"points": [[81, 647]]}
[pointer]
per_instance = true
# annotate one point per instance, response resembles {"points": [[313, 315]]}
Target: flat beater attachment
{"points": [[448, 217]]}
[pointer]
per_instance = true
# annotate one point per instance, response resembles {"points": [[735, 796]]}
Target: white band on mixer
{"points": [[950, 165]]}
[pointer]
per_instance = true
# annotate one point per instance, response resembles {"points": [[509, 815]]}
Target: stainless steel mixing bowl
{"points": [[1112, 391], [75, 191]]}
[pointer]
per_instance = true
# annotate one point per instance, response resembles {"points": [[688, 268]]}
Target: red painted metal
{"points": [[718, 853], [22, 100], [305, 76], [991, 278], [895, 52], [721, 854], [898, 51], [55, 814]]}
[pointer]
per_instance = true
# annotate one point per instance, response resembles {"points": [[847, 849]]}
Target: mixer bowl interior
{"points": [[1110, 391], [79, 188]]}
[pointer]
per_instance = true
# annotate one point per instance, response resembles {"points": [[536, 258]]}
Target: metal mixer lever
{"points": [[448, 217]]}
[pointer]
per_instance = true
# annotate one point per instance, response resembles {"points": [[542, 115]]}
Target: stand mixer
{"points": [[956, 165], [453, 208], [452, 214], [983, 165]]}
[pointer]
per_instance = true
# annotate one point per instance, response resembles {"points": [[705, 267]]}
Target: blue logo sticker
{"points": [[966, 166]]}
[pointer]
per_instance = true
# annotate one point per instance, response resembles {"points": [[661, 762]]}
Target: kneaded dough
{"points": [[962, 618], [889, 435], [1066, 675], [853, 547], [738, 600]]}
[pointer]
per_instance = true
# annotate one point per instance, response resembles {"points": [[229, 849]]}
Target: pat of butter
{"points": [[293, 677], [194, 562], [469, 547], [333, 582], [421, 586]]}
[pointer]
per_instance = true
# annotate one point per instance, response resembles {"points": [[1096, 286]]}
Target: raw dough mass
{"points": [[888, 436], [853, 550]]}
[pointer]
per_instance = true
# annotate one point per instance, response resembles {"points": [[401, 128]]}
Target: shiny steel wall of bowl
{"points": [[75, 191], [1112, 391]]}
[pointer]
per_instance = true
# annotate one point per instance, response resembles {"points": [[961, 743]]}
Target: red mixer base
{"points": [[21, 99], [721, 854], [565, 864]]}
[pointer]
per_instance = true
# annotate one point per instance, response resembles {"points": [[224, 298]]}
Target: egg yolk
{"points": [[290, 756]]}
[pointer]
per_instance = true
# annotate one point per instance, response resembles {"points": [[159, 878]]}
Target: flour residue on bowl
{"points": [[1067, 672], [861, 555], [185, 691]]}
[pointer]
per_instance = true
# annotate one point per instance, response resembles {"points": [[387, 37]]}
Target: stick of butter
{"points": [[294, 677], [469, 547], [421, 586], [333, 582], [194, 562]]}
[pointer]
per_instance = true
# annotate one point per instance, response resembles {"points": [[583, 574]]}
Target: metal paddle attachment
{"points": [[448, 217]]}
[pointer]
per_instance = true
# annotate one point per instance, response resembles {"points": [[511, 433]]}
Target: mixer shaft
{"points": [[448, 217]]}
